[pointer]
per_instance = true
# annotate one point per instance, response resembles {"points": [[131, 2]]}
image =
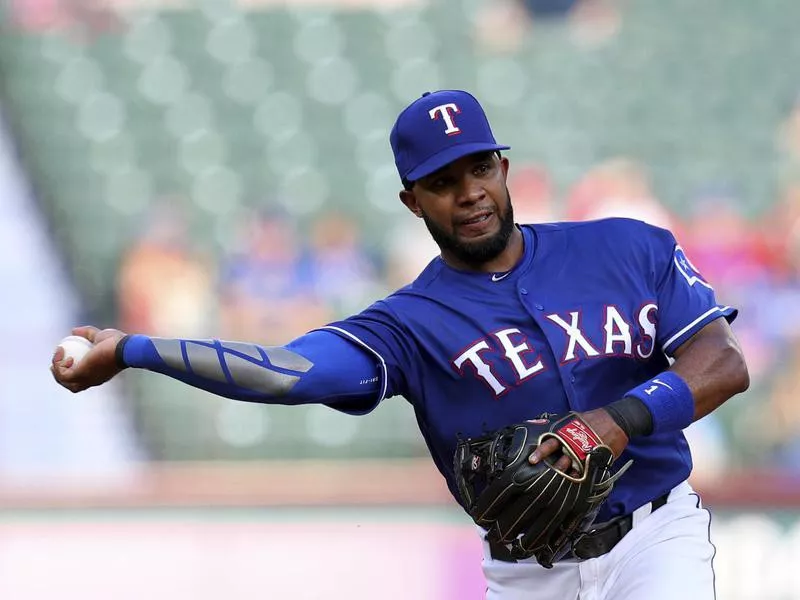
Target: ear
{"points": [[409, 198], [504, 166]]}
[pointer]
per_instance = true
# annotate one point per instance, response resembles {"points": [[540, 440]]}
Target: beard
{"points": [[475, 253]]}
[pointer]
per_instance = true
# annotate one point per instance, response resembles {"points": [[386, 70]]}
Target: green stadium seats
{"points": [[291, 108]]}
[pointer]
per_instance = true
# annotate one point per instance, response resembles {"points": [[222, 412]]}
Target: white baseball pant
{"points": [[667, 555]]}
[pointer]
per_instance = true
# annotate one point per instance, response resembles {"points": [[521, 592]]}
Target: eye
{"points": [[482, 168], [440, 183]]}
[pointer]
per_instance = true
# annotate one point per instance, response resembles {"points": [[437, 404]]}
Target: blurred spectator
{"points": [[779, 235], [618, 188], [342, 272], [774, 303], [709, 445], [549, 9], [266, 293], [777, 443], [594, 22], [409, 249], [81, 19], [165, 287], [532, 193], [502, 25], [722, 243]]}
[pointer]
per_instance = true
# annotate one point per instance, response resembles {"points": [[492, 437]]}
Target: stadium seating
{"points": [[291, 108]]}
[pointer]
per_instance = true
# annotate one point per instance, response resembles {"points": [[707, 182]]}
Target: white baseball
{"points": [[75, 346]]}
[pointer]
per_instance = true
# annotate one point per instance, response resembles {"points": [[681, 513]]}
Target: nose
{"points": [[470, 191]]}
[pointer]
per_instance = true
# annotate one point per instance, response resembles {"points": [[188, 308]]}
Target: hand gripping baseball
{"points": [[95, 368], [536, 509]]}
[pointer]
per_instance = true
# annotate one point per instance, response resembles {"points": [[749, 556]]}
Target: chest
{"points": [[522, 334], [496, 358]]}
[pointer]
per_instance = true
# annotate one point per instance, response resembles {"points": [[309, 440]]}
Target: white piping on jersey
{"points": [[693, 323], [385, 377]]}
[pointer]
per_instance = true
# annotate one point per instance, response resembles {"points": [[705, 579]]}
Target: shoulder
{"points": [[619, 233], [399, 302], [600, 227], [406, 303]]}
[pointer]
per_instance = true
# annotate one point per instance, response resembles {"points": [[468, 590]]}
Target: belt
{"points": [[598, 541]]}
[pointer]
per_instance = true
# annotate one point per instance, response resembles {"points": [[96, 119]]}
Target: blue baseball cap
{"points": [[437, 129]]}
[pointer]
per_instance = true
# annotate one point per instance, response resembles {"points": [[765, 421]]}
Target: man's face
{"points": [[466, 207]]}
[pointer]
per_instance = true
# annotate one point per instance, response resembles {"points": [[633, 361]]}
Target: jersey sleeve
{"points": [[379, 331], [686, 300]]}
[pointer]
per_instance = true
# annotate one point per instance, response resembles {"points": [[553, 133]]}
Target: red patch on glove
{"points": [[579, 437]]}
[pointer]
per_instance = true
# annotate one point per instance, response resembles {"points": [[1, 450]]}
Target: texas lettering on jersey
{"points": [[514, 346]]}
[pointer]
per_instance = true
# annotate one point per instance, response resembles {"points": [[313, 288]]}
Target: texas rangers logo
{"points": [[687, 269], [446, 111]]}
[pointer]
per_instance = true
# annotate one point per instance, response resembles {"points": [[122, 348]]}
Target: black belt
{"points": [[600, 539]]}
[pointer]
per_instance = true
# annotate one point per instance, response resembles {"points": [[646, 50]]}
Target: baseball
{"points": [[75, 346]]}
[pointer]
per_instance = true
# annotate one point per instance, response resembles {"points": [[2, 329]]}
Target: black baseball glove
{"points": [[535, 510]]}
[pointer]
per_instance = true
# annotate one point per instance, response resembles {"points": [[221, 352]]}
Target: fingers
{"points": [[60, 363], [87, 331], [64, 375], [58, 356], [62, 369], [544, 449], [563, 464]]}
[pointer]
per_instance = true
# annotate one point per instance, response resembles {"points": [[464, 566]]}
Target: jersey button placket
{"points": [[527, 301], [567, 378]]}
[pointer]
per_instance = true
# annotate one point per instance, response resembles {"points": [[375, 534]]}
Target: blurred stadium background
{"points": [[221, 168]]}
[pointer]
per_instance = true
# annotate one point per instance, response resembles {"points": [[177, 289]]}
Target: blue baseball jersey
{"points": [[591, 310]]}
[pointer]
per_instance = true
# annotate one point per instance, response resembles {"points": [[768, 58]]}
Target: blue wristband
{"points": [[669, 400], [138, 351]]}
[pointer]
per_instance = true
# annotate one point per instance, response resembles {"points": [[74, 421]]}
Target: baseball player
{"points": [[607, 322]]}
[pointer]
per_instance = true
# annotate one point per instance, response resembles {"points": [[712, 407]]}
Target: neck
{"points": [[505, 261]]}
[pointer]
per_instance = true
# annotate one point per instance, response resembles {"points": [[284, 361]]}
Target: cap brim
{"points": [[448, 155]]}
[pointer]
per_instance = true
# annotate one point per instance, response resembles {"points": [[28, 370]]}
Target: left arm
{"points": [[709, 367], [713, 366]]}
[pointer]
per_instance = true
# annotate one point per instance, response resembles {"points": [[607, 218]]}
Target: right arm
{"points": [[319, 367]]}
